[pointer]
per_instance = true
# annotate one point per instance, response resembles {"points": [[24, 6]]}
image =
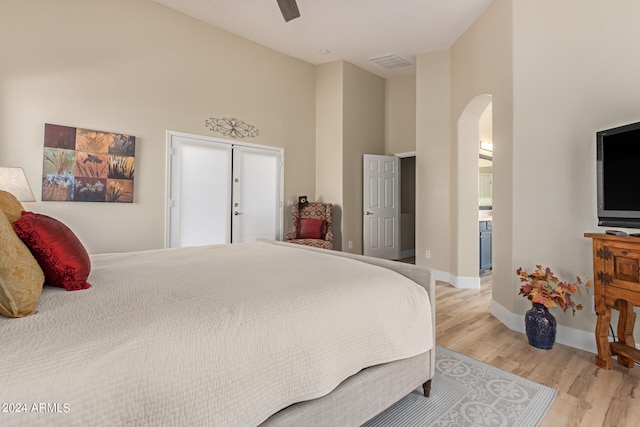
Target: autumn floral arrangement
{"points": [[543, 287]]}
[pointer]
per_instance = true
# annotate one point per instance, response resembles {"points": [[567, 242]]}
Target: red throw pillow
{"points": [[62, 257], [310, 228]]}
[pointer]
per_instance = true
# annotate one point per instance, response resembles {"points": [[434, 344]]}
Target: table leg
{"points": [[626, 322], [603, 359]]}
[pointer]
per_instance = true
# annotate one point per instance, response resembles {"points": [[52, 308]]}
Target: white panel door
{"points": [[256, 194], [200, 192], [381, 206]]}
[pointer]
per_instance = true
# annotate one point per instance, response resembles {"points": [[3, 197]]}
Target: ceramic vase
{"points": [[540, 326]]}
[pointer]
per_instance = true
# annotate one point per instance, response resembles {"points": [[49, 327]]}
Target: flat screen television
{"points": [[618, 176]]}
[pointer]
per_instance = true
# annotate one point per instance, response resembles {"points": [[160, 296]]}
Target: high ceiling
{"points": [[352, 30]]}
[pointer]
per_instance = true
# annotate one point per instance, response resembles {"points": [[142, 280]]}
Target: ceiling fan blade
{"points": [[289, 9]]}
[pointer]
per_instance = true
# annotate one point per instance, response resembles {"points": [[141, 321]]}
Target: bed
{"points": [[237, 335]]}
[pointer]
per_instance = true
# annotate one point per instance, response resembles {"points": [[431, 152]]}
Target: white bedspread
{"points": [[218, 336]]}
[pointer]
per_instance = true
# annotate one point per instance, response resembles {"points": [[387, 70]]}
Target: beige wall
{"points": [[400, 137], [486, 128], [140, 68], [569, 82], [350, 117], [363, 134], [433, 100], [400, 115], [329, 141], [552, 87], [464, 201], [482, 65]]}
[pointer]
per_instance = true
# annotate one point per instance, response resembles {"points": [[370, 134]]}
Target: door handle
{"points": [[237, 213], [368, 213]]}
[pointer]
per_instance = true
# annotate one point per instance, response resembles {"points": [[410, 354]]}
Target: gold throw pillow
{"points": [[21, 277], [11, 207]]}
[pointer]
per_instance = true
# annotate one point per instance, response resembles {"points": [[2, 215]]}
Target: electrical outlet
{"points": [[350, 244], [427, 254]]}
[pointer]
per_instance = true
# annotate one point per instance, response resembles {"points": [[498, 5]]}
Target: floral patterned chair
{"points": [[312, 226]]}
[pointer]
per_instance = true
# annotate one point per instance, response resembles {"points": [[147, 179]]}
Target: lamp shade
{"points": [[14, 181]]}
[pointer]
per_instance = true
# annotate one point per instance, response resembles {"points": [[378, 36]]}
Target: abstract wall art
{"points": [[84, 165]]}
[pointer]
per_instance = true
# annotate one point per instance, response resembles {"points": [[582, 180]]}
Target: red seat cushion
{"points": [[62, 257], [310, 228]]}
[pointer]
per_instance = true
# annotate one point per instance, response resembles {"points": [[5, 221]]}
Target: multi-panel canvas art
{"points": [[85, 165]]}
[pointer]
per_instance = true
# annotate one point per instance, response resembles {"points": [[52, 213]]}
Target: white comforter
{"points": [[219, 335]]}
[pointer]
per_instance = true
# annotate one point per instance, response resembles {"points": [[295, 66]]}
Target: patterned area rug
{"points": [[466, 392]]}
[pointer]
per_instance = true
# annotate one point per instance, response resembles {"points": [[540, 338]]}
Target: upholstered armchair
{"points": [[312, 225]]}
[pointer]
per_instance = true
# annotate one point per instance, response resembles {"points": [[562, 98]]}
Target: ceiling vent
{"points": [[390, 61]]}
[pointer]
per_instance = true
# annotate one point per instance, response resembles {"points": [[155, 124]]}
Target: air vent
{"points": [[390, 61]]}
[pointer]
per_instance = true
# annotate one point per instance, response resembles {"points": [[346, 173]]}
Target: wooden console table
{"points": [[616, 277]]}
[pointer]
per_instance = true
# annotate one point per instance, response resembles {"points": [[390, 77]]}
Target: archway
{"points": [[465, 254]]}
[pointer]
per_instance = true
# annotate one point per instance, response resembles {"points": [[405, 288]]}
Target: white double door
{"points": [[221, 191]]}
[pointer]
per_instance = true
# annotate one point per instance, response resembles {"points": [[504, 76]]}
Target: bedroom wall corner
{"points": [[363, 134], [350, 118], [329, 142]]}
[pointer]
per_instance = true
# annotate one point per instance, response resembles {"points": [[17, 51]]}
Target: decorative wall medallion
{"points": [[84, 165], [232, 127]]}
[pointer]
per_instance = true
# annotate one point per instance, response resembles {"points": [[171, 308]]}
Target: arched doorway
{"points": [[465, 207]]}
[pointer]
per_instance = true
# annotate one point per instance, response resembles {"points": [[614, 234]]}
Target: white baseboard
{"points": [[576, 338], [458, 282], [572, 337]]}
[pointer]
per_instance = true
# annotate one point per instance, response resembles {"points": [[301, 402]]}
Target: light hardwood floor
{"points": [[587, 395]]}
